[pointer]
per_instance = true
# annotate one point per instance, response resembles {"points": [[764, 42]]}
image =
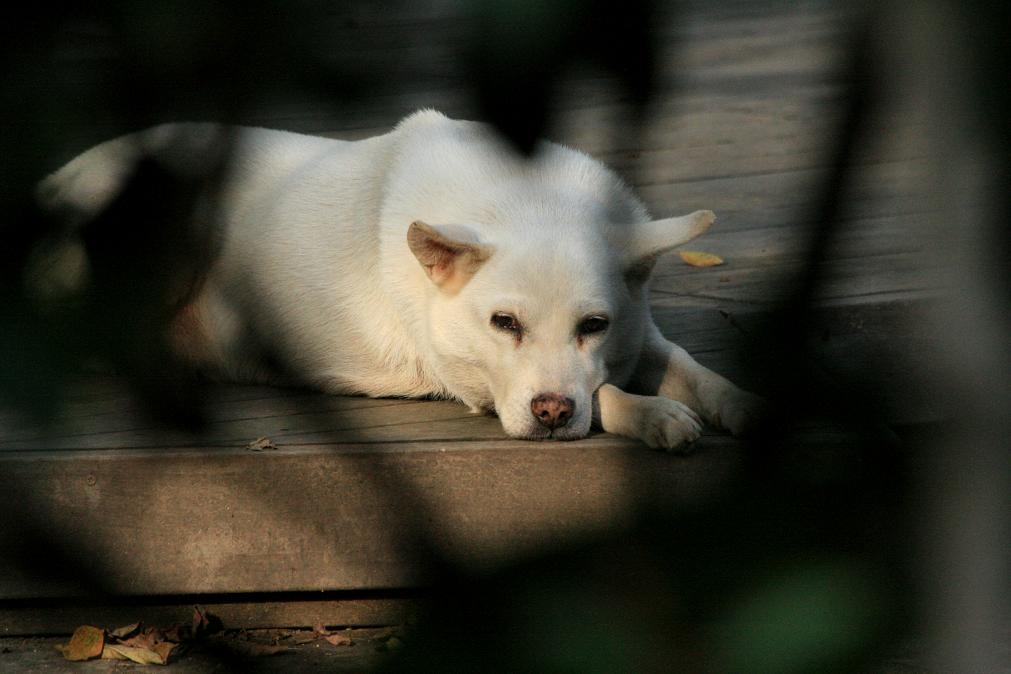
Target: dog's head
{"points": [[532, 325]]}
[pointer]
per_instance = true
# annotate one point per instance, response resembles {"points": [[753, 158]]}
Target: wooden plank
{"points": [[268, 611], [696, 320], [360, 492], [436, 420], [786, 245], [880, 350], [124, 413], [703, 51], [320, 518], [753, 169], [352, 516], [785, 194], [767, 284]]}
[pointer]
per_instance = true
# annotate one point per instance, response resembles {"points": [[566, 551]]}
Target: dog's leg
{"points": [[662, 423], [665, 369]]}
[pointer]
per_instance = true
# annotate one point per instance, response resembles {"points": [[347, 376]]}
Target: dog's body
{"points": [[525, 293]]}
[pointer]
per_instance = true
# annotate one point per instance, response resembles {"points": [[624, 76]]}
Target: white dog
{"points": [[432, 261]]}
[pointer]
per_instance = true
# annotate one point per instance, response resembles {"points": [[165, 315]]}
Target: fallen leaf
{"points": [[338, 639], [699, 259], [111, 654], [204, 623], [199, 620], [274, 634], [86, 643], [177, 633], [125, 632], [141, 656], [261, 444], [164, 649], [146, 639]]}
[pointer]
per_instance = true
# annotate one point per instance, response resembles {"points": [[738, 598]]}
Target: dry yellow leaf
{"points": [[125, 632], [261, 444], [164, 649], [109, 653], [141, 656], [85, 644], [697, 258]]}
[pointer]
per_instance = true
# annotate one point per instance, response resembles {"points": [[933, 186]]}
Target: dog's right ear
{"points": [[449, 254], [652, 239]]}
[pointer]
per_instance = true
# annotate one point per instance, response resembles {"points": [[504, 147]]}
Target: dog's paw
{"points": [[743, 413], [668, 424]]}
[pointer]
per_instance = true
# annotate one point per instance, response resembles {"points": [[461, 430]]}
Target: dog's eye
{"points": [[506, 322], [593, 325]]}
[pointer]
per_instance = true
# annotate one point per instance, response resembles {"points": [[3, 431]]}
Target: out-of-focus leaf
{"points": [[802, 619], [697, 258]]}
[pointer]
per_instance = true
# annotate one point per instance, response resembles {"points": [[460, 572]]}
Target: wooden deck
{"points": [[359, 494]]}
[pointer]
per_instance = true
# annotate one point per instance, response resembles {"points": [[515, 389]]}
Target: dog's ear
{"points": [[449, 254], [650, 240]]}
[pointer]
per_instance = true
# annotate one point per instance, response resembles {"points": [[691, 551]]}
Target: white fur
{"points": [[316, 272]]}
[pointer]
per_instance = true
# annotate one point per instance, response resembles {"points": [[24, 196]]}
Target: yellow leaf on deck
{"points": [[164, 649], [141, 656], [697, 258], [261, 444], [109, 653], [125, 632], [85, 644]]}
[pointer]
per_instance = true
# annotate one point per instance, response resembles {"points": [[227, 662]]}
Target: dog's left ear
{"points": [[449, 254], [650, 240]]}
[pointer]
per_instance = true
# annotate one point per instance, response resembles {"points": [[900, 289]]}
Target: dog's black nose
{"points": [[552, 410]]}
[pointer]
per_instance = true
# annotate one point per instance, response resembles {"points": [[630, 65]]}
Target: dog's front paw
{"points": [[743, 413], [668, 424]]}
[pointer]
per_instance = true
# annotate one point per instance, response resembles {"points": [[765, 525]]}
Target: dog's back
{"points": [[431, 260], [314, 271]]}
